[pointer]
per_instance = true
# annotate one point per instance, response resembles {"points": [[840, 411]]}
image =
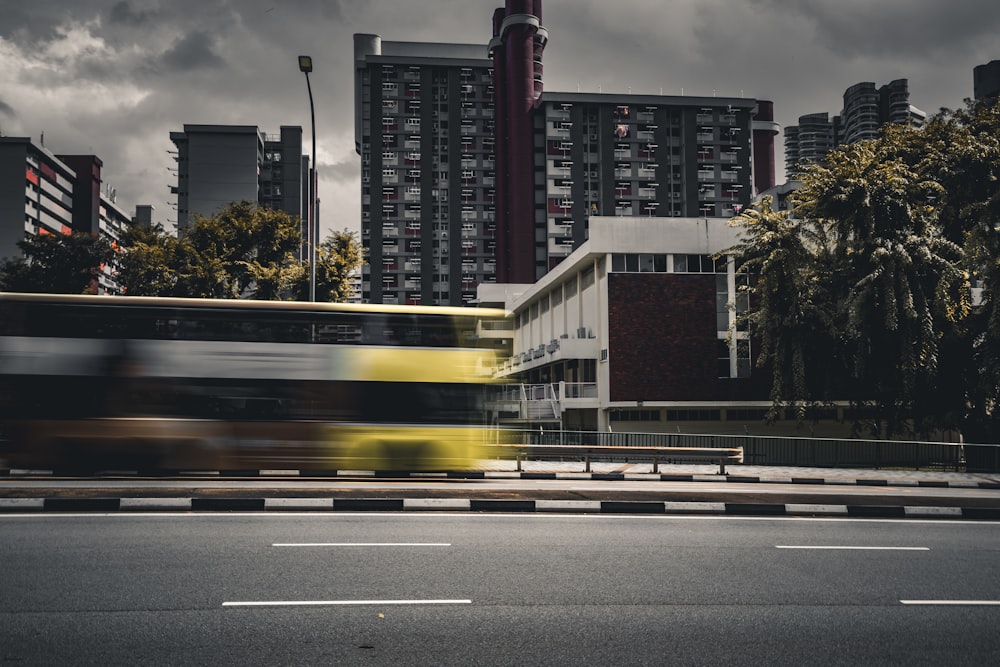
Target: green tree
{"points": [[147, 265], [245, 250], [864, 293], [57, 264], [788, 258], [962, 150], [899, 283], [337, 259]]}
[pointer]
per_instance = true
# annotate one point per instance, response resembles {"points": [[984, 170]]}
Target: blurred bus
{"points": [[92, 383]]}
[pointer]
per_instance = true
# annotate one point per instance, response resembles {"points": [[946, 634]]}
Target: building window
{"points": [[635, 415], [693, 415]]}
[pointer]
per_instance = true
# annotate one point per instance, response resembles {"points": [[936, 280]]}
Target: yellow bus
{"points": [[92, 383]]}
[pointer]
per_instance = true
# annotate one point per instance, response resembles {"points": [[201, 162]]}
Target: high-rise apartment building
{"points": [[810, 140], [986, 81], [221, 164], [636, 156], [866, 109], [472, 174], [36, 193], [44, 193], [425, 131]]}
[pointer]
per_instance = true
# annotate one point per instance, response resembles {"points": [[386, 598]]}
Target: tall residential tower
{"points": [[221, 164], [472, 174], [866, 109]]}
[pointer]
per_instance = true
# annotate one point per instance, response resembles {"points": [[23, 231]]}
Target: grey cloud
{"points": [[7, 110], [126, 14], [346, 169], [193, 51], [859, 28]]}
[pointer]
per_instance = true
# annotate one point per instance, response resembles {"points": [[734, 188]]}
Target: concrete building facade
{"points": [[866, 109], [472, 174], [635, 330], [36, 193], [221, 164], [44, 193], [986, 81], [424, 129]]}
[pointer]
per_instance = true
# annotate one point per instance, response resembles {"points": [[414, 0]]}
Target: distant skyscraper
{"points": [[865, 110], [986, 80], [221, 164], [807, 142]]}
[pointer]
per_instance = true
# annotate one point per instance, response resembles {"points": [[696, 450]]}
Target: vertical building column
{"points": [[516, 47], [764, 131]]}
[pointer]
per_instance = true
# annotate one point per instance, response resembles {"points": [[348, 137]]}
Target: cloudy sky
{"points": [[115, 77]]}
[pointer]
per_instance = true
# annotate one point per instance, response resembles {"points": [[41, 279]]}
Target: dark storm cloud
{"points": [[117, 76], [125, 13], [193, 51], [858, 28], [27, 23]]}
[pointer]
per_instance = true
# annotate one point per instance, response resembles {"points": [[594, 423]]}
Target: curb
{"points": [[597, 476], [333, 505]]}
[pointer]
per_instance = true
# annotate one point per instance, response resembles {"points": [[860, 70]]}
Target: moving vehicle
{"points": [[113, 383]]}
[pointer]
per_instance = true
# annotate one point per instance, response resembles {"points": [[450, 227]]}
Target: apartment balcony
{"points": [[556, 350]]}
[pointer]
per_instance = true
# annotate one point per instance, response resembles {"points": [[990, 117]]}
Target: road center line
{"points": [[784, 546], [361, 544], [953, 602], [319, 603]]}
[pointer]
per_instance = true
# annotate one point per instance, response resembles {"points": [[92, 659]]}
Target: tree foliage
{"points": [[57, 264], [337, 258], [244, 251], [864, 292]]}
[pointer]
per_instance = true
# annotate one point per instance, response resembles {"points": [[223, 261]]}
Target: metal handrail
{"points": [[715, 455]]}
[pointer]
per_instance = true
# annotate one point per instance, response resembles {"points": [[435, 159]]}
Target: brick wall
{"points": [[662, 342]]}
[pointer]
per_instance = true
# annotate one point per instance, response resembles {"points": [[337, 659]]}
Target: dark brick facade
{"points": [[663, 342]]}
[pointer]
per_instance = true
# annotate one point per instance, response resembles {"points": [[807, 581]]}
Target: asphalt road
{"points": [[486, 589], [501, 488]]}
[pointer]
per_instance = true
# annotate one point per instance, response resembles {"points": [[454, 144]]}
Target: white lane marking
{"points": [[472, 516], [361, 544], [989, 603], [320, 603], [789, 546]]}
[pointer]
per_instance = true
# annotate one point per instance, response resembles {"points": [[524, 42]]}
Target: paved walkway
{"points": [[743, 473]]}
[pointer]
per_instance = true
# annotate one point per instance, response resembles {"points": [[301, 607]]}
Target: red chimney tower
{"points": [[516, 48]]}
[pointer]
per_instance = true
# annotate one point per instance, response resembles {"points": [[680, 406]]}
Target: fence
{"points": [[787, 451]]}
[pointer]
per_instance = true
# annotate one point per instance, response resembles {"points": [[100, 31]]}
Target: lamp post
{"points": [[306, 66]]}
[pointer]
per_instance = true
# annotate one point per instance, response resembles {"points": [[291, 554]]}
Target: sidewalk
{"points": [[748, 473]]}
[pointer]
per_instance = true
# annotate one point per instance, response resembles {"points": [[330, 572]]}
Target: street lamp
{"points": [[306, 66]]}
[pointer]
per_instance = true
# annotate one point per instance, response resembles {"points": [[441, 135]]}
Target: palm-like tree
{"points": [[898, 280], [788, 318]]}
